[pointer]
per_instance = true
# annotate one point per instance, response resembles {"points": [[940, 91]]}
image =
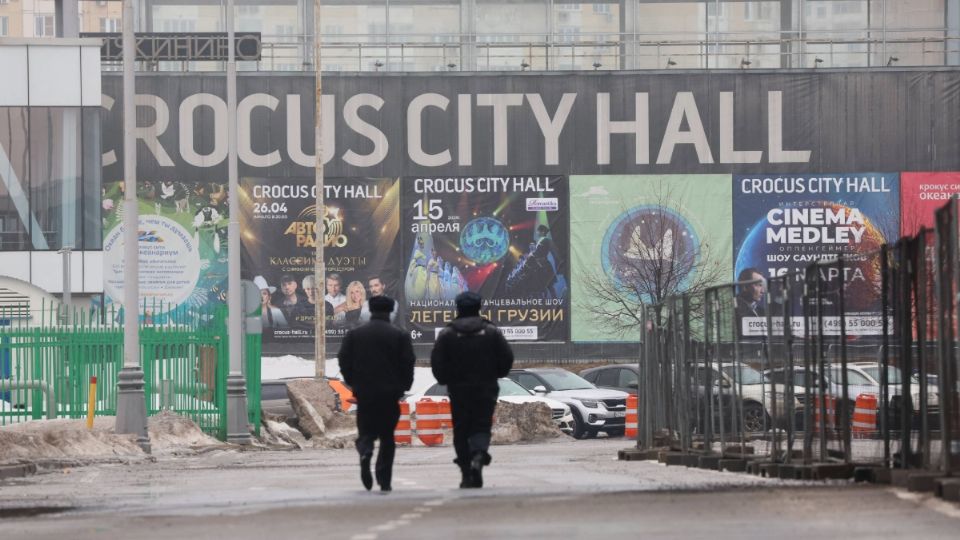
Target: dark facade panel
{"points": [[800, 121]]}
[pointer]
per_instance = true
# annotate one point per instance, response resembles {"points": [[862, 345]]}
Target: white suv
{"points": [[594, 409]]}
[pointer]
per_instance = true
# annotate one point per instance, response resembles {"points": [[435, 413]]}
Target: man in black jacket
{"points": [[469, 356], [376, 360]]}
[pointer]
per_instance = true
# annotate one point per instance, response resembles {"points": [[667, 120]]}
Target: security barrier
{"points": [[848, 367]]}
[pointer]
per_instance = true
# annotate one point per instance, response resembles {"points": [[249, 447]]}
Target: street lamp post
{"points": [[237, 430], [131, 404], [319, 267]]}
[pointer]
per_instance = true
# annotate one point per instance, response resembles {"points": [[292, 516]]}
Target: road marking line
{"points": [[413, 515], [422, 509], [388, 526], [438, 502], [88, 479]]}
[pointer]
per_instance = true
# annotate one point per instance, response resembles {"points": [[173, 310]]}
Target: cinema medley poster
{"points": [[628, 229], [784, 223], [504, 237], [361, 221]]}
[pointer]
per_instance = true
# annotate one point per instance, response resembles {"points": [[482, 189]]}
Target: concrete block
{"points": [[709, 462], [733, 465], [17, 471], [948, 488], [823, 471], [673, 458], [923, 481]]}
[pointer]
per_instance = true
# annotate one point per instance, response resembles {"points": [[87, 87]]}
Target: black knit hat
{"points": [[468, 304], [381, 304]]}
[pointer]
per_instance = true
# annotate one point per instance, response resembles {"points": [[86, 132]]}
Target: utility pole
{"points": [[237, 431], [319, 267], [131, 404]]}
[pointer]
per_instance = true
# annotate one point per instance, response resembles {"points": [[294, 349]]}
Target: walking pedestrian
{"points": [[469, 356], [376, 360]]}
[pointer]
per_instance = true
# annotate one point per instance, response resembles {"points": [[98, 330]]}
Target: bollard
{"points": [[91, 402]]}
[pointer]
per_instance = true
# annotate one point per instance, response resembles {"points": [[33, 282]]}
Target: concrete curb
{"points": [[17, 471]]}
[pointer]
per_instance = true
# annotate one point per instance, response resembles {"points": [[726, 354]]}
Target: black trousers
{"points": [[472, 409], [377, 418]]}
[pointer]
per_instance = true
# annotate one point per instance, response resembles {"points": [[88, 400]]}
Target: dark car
{"points": [[623, 377]]}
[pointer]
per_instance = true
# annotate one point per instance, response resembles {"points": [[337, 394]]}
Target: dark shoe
{"points": [[385, 488], [365, 475], [465, 481], [476, 469]]}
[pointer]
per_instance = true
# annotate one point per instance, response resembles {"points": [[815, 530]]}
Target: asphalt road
{"points": [[562, 489]]}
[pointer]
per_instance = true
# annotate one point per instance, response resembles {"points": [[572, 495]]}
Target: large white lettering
{"points": [[187, 149], [684, 106], [639, 126], [351, 115], [415, 130]]}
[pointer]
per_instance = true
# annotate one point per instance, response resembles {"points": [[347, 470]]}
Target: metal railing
{"points": [[846, 368], [48, 356], [600, 51]]}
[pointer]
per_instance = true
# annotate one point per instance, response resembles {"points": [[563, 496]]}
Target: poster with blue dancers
{"points": [[505, 238]]}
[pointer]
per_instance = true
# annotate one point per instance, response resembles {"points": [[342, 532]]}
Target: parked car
{"points": [[594, 409], [510, 392], [863, 378], [757, 395], [623, 377]]}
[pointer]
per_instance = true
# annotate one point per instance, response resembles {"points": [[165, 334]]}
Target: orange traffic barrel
{"points": [[865, 415], [830, 408], [446, 417], [403, 434], [430, 422], [632, 419]]}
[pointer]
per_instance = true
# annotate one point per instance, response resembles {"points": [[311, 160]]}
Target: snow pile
{"points": [[280, 434], [64, 439], [70, 439], [170, 432], [523, 422]]}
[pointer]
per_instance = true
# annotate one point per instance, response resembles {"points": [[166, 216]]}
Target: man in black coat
{"points": [[376, 360], [469, 356]]}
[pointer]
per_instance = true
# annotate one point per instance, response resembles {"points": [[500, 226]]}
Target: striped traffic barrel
{"points": [[632, 419], [865, 415], [430, 422], [403, 434]]}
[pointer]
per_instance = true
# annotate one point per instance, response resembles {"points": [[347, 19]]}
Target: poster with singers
{"points": [[784, 223], [504, 237], [362, 255]]}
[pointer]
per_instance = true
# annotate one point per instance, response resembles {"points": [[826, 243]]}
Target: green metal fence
{"points": [[48, 356]]}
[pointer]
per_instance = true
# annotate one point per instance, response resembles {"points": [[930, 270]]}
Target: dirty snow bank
{"points": [[70, 439], [523, 422]]}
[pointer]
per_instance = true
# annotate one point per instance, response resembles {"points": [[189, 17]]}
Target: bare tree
{"points": [[648, 264]]}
